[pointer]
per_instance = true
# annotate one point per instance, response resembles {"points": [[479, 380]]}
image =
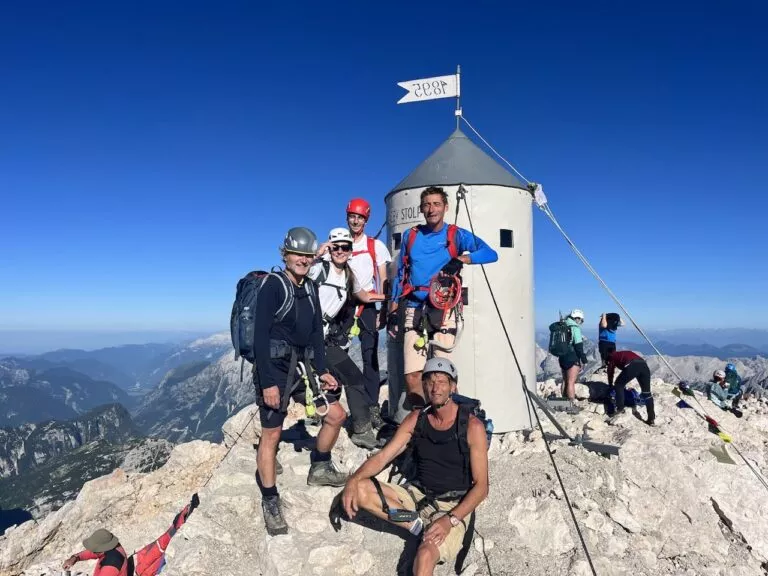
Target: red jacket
{"points": [[110, 563], [620, 360]]}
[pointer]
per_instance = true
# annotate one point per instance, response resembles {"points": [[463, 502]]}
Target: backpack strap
{"points": [[289, 295], [407, 287], [453, 247], [372, 252]]}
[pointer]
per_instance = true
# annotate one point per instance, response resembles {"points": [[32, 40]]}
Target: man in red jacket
{"points": [[632, 366]]}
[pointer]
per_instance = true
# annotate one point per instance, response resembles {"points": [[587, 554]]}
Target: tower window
{"points": [[506, 239], [397, 239]]}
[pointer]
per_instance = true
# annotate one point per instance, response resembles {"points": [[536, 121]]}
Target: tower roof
{"points": [[458, 160]]}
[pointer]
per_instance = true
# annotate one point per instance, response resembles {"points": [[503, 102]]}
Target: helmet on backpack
{"points": [[718, 375], [440, 365], [360, 207], [577, 314], [300, 240], [730, 367], [340, 235]]}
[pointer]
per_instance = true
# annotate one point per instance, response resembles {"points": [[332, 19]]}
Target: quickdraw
{"points": [[310, 408]]}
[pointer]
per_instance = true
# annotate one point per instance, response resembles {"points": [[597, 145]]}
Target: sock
{"points": [[266, 492], [317, 456], [417, 526]]}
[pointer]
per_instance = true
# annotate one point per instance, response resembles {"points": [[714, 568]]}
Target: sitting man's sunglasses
{"points": [[341, 248]]}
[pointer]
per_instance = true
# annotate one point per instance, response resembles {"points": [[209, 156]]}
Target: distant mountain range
{"points": [[44, 465], [34, 392]]}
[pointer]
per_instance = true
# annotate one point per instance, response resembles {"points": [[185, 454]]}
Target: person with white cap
{"points": [[338, 288], [572, 362], [449, 454]]}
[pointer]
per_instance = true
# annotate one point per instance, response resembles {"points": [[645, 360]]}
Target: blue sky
{"points": [[153, 152]]}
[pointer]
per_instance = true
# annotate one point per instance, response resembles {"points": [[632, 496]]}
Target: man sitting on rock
{"points": [[448, 454], [717, 390]]}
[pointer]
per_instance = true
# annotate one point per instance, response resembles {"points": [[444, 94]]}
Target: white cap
{"points": [[340, 235], [577, 314]]}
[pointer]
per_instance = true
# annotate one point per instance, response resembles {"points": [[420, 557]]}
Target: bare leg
{"points": [[267, 454], [329, 432], [426, 560], [572, 375], [414, 390]]}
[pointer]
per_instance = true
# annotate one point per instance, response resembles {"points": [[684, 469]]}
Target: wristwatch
{"points": [[454, 521]]}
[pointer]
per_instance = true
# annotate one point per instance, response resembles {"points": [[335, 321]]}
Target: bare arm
{"points": [[367, 297], [603, 321], [478, 461], [391, 450]]}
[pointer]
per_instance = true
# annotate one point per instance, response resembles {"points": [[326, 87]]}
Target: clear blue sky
{"points": [[153, 152]]}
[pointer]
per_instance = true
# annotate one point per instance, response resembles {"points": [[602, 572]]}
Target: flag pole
{"points": [[458, 96]]}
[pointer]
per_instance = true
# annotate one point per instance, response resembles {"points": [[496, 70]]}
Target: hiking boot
{"points": [[273, 516], [364, 437], [325, 474], [376, 419]]}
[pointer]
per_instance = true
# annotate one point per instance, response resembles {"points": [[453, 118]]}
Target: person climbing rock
{"points": [[609, 323], [572, 362], [427, 250], [450, 457], [110, 556], [368, 261], [734, 382], [289, 350], [632, 367], [336, 283]]}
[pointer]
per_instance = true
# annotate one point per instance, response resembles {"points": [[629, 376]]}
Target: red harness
{"points": [[453, 250]]}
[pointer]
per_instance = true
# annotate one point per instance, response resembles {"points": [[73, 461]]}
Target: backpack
{"points": [[560, 339], [242, 320], [453, 251], [405, 464]]}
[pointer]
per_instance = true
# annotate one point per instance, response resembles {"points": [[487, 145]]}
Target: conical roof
{"points": [[458, 160]]}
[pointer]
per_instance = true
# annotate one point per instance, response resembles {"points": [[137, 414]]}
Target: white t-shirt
{"points": [[332, 293], [362, 264]]}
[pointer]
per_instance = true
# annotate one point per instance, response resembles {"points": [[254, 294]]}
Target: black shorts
{"points": [[271, 418], [568, 361]]}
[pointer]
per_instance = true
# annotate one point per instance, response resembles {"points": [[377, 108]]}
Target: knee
{"points": [[336, 415], [270, 437], [426, 559]]}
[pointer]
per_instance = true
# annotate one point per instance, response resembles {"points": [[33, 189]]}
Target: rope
{"points": [[527, 399], [548, 211], [220, 462]]}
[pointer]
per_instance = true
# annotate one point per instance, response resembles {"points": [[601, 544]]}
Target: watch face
{"points": [[454, 520]]}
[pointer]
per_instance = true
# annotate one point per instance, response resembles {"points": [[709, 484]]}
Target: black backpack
{"points": [[560, 339], [242, 320]]}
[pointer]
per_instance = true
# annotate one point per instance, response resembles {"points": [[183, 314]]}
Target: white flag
{"points": [[430, 88]]}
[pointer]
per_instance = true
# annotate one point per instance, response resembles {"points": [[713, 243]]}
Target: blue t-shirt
{"points": [[429, 254], [607, 335]]}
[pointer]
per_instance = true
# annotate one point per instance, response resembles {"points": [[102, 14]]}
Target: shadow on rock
{"points": [[299, 437]]}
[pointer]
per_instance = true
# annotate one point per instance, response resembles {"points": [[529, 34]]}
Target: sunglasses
{"points": [[341, 248]]}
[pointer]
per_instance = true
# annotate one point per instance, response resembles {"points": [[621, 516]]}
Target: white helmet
{"points": [[576, 314], [340, 235], [719, 374]]}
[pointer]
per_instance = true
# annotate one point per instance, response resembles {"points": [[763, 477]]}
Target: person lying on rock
{"points": [[632, 367], [448, 461], [110, 556]]}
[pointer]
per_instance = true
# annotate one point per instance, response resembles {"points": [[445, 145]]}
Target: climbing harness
{"points": [[309, 392]]}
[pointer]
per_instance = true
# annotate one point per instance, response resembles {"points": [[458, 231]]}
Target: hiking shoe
{"points": [[376, 419], [273, 516], [325, 474], [364, 437]]}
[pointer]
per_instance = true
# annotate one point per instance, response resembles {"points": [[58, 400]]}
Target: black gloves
{"points": [[453, 267]]}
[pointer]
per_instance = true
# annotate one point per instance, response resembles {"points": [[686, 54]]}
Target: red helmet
{"points": [[360, 207]]}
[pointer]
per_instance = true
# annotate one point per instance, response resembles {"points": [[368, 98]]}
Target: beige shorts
{"points": [[451, 546], [414, 358]]}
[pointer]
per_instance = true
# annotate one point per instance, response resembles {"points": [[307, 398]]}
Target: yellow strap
{"points": [[725, 437]]}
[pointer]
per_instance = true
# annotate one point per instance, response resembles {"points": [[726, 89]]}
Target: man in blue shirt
{"points": [[425, 251], [609, 323]]}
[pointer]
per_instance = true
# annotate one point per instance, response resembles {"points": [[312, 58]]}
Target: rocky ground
{"points": [[665, 506]]}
